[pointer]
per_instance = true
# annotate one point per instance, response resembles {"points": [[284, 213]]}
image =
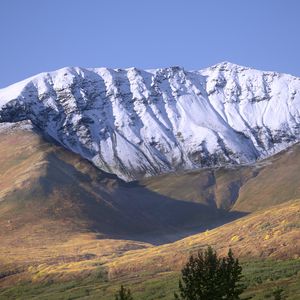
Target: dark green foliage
{"points": [[277, 293], [123, 294], [208, 277]]}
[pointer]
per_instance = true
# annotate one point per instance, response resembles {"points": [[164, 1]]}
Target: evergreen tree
{"points": [[231, 275], [208, 277], [123, 294]]}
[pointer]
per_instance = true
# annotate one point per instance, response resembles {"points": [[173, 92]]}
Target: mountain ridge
{"points": [[136, 123]]}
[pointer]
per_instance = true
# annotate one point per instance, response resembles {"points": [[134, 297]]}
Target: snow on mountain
{"points": [[137, 123]]}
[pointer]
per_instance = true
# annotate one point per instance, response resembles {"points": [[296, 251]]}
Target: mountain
{"points": [[67, 226], [201, 149], [45, 189], [59, 206], [136, 123], [246, 188]]}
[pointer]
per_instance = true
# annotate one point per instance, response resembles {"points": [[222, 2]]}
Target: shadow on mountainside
{"points": [[74, 193]]}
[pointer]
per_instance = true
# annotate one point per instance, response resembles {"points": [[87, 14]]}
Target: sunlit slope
{"points": [[63, 218], [277, 181], [45, 189], [57, 207], [244, 188], [269, 233], [272, 233]]}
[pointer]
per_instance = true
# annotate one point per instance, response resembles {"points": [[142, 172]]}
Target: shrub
{"points": [[123, 294], [277, 293], [208, 277]]}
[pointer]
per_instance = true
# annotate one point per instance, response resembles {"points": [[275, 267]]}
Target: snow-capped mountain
{"points": [[138, 123]]}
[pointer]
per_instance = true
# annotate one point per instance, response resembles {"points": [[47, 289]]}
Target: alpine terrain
{"points": [[114, 177], [137, 123]]}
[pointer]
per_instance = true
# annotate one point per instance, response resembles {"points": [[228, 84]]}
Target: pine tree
{"points": [[123, 294], [208, 277], [231, 277]]}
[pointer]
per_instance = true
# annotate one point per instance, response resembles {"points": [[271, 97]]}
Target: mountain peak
{"points": [[137, 123], [226, 66]]}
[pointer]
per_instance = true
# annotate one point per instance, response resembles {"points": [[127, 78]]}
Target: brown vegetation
{"points": [[61, 218]]}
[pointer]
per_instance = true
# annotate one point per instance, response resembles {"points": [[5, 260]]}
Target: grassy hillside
{"points": [[270, 233], [56, 207], [271, 236], [261, 277], [245, 188], [69, 230], [43, 183]]}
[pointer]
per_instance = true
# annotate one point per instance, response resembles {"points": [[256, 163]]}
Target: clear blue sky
{"points": [[44, 35]]}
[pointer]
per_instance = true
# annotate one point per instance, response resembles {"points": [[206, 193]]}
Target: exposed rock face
{"points": [[137, 123]]}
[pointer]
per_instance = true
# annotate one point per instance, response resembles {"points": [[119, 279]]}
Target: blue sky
{"points": [[44, 35]]}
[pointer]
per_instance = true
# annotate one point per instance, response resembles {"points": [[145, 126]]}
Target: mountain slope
{"points": [[245, 188], [137, 123], [44, 188], [61, 218], [270, 233], [59, 207]]}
